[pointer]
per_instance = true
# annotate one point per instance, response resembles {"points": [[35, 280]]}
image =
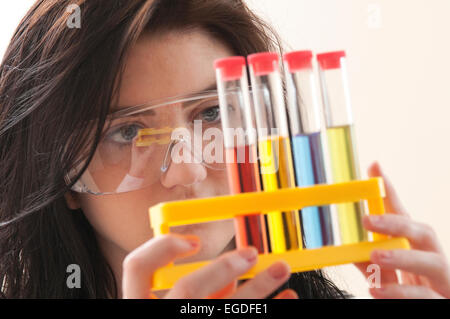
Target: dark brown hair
{"points": [[56, 86]]}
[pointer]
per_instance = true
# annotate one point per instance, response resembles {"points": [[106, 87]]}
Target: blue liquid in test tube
{"points": [[307, 144]]}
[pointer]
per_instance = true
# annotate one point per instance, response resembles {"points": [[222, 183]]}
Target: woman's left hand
{"points": [[424, 271]]}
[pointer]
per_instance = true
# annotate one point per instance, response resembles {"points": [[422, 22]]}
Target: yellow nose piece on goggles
{"points": [[165, 215], [164, 136]]}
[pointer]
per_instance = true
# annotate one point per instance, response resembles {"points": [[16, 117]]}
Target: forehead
{"points": [[170, 64]]}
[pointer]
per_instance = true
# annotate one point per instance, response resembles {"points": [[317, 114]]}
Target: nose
{"points": [[183, 174]]}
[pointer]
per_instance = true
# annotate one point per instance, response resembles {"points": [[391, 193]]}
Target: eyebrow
{"points": [[212, 87]]}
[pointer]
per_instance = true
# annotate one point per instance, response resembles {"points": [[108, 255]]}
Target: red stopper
{"points": [[263, 63], [330, 60], [231, 67], [298, 60]]}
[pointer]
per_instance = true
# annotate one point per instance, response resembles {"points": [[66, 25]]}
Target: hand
{"points": [[218, 279], [424, 271]]}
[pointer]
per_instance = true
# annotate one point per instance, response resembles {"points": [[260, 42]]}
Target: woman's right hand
{"points": [[218, 279]]}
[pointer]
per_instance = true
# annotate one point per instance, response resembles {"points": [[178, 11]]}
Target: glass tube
{"points": [[240, 146], [320, 225], [341, 140], [274, 147]]}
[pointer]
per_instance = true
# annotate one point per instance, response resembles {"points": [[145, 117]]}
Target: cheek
{"points": [[121, 221]]}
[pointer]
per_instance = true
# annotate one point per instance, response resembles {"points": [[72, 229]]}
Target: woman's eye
{"points": [[124, 134], [211, 114]]}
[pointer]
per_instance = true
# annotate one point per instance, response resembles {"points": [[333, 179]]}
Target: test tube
{"points": [[240, 146], [341, 140], [274, 147], [308, 145]]}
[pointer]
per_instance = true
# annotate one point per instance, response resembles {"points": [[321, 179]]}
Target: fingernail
{"points": [[250, 254], [193, 241], [278, 271], [375, 219], [385, 254]]}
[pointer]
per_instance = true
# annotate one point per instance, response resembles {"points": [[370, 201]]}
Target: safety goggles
{"points": [[140, 143]]}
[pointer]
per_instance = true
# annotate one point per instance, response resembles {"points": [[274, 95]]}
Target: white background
{"points": [[399, 65]]}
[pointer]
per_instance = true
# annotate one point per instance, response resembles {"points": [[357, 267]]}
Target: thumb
{"points": [[391, 201]]}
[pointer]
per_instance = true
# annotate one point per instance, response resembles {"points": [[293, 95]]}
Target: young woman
{"points": [[75, 185]]}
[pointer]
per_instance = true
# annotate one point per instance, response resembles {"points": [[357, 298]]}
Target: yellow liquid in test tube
{"points": [[277, 172], [344, 169]]}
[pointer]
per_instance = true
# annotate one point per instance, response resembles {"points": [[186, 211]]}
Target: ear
{"points": [[72, 200]]}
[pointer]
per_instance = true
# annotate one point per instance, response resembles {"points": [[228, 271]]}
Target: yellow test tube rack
{"points": [[165, 215]]}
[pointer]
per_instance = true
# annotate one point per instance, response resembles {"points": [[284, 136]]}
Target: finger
{"points": [[392, 202], [141, 263], [387, 276], [287, 294], [421, 236], [264, 283], [423, 263], [225, 292], [396, 291], [216, 275]]}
